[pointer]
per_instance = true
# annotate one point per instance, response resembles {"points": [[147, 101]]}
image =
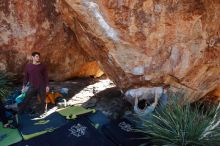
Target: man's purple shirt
{"points": [[36, 75]]}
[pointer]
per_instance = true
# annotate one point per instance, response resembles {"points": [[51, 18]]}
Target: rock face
{"points": [[36, 25], [149, 43], [136, 43]]}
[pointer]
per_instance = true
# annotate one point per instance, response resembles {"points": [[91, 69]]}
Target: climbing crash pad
{"points": [[33, 126], [74, 111], [9, 136]]}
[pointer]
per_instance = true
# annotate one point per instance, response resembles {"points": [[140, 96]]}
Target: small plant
{"points": [[5, 84], [185, 125]]}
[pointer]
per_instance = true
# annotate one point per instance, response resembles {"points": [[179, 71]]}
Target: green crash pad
{"points": [[9, 136], [73, 111]]}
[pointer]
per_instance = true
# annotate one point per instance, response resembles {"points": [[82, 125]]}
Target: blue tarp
{"points": [[20, 98], [13, 95]]}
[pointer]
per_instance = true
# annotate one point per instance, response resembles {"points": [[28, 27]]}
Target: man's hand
{"points": [[136, 101], [156, 99], [154, 104], [22, 90], [47, 89]]}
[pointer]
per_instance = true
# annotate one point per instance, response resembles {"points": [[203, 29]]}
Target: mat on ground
{"points": [[121, 133], [78, 132], [9, 136], [98, 119], [73, 111], [32, 126], [37, 141]]}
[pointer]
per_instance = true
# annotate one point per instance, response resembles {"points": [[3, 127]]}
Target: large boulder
{"points": [[150, 43], [136, 43], [36, 25]]}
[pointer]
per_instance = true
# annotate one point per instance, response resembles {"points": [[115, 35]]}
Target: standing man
{"points": [[37, 77]]}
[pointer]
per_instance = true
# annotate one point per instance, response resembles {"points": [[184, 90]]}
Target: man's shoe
{"points": [[43, 115], [9, 125]]}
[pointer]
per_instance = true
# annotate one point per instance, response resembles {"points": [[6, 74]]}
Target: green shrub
{"points": [[6, 83], [184, 126]]}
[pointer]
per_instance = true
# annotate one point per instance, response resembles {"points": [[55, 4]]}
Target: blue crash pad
{"points": [[121, 133], [31, 126], [78, 132], [37, 141], [98, 119]]}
